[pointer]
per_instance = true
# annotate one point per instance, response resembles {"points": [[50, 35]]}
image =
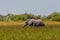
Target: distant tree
{"points": [[9, 17], [1, 18], [38, 17], [55, 16], [12, 17]]}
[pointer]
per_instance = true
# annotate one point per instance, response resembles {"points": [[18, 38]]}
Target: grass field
{"points": [[15, 31]]}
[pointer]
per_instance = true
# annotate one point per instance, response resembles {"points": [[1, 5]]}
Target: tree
{"points": [[55, 16], [1, 18], [9, 17]]}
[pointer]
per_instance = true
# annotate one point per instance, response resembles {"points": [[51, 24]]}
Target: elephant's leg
{"points": [[42, 24], [34, 24]]}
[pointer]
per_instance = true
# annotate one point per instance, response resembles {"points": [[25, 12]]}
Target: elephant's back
{"points": [[37, 20]]}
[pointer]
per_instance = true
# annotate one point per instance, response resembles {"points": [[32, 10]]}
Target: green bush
{"points": [[56, 18]]}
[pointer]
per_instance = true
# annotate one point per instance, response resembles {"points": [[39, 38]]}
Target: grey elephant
{"points": [[34, 22]]}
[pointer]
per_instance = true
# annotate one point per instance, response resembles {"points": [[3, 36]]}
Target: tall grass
{"points": [[15, 31]]}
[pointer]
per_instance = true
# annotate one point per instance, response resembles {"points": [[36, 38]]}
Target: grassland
{"points": [[15, 31]]}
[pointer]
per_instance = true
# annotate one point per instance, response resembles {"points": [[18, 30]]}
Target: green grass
{"points": [[49, 32]]}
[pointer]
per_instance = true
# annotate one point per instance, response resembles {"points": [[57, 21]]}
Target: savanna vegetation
{"points": [[55, 16], [15, 31], [23, 17], [11, 27]]}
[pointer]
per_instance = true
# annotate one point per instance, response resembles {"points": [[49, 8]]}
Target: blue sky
{"points": [[37, 7]]}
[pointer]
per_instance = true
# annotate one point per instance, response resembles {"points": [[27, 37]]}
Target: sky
{"points": [[37, 7]]}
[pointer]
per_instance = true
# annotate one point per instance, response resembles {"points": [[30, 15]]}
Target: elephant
{"points": [[34, 22], [38, 23]]}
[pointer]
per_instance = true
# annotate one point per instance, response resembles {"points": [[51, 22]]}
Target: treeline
{"points": [[23, 17], [55, 16]]}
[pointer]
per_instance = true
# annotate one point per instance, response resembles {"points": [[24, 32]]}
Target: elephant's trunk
{"points": [[25, 25]]}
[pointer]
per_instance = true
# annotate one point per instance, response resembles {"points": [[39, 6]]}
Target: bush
{"points": [[56, 18]]}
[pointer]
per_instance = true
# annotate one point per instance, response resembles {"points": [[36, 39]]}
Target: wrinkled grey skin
{"points": [[34, 22]]}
